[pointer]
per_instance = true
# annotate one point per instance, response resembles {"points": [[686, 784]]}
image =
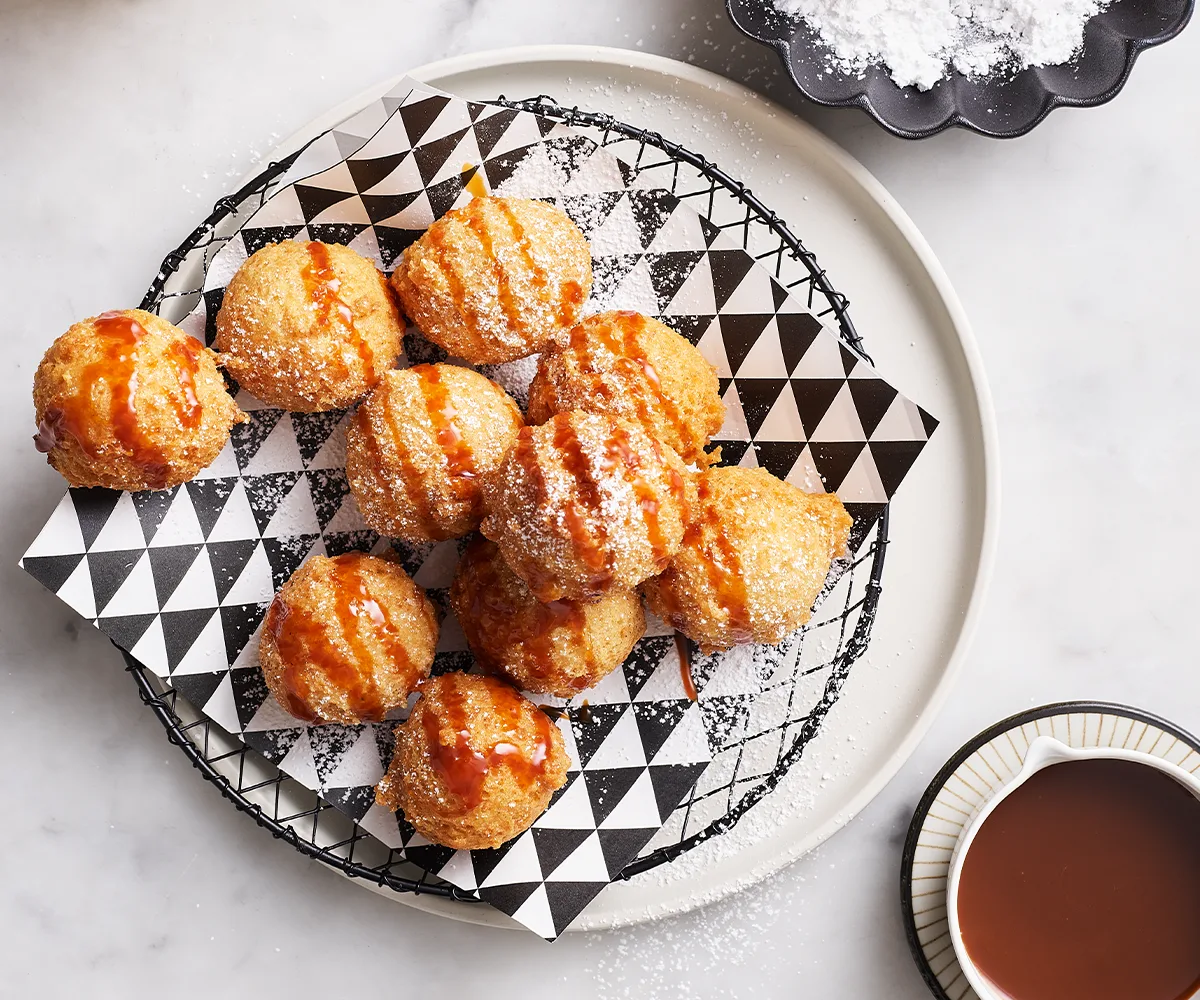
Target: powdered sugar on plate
{"points": [[922, 41]]}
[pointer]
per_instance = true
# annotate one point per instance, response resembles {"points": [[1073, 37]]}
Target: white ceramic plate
{"points": [[944, 518]]}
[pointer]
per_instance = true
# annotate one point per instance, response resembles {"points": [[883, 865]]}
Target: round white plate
{"points": [[943, 524]]}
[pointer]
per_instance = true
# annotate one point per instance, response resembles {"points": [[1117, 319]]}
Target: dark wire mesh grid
{"points": [[754, 745]]}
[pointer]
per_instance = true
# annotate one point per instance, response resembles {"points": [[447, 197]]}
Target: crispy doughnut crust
{"points": [[494, 280], [127, 401], [475, 763], [754, 558], [308, 326]]}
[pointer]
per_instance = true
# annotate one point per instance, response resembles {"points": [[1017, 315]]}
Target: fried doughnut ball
{"points": [[635, 367], [560, 648], [584, 503], [419, 448], [475, 763], [308, 326], [754, 558], [496, 279], [127, 401], [347, 639]]}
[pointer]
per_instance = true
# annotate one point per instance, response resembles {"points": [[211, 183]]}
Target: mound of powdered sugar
{"points": [[921, 41]]}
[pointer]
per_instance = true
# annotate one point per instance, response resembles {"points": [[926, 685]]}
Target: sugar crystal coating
{"points": [[584, 503], [308, 326], [127, 401], [496, 279], [754, 558]]}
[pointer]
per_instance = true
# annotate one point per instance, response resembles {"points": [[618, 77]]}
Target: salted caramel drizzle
{"points": [[475, 186], [571, 295], [186, 357], [118, 335], [462, 767], [525, 455], [630, 359], [460, 459], [437, 235], [477, 222], [410, 480], [620, 453], [723, 566], [590, 544], [307, 644], [323, 285], [685, 666]]}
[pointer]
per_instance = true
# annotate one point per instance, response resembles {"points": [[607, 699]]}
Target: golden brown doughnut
{"points": [[475, 763], [308, 326], [496, 279], [347, 639], [754, 558], [634, 367], [419, 448], [584, 503], [560, 648], [127, 401]]}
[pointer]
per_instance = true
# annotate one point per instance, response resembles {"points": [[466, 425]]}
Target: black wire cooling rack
{"points": [[752, 750]]}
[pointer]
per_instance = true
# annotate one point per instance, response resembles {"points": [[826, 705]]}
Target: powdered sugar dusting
{"points": [[921, 41]]}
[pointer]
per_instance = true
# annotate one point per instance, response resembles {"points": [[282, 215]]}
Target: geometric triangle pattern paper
{"points": [[183, 577], [558, 866]]}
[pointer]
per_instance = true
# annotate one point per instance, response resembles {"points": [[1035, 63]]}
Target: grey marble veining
{"points": [[1074, 251]]}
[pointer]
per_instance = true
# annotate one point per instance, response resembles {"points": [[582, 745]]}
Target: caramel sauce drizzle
{"points": [[462, 767], [571, 297], [437, 234], [478, 224], [723, 566], [525, 455], [410, 476], [589, 543], [547, 619], [306, 644], [568, 305], [323, 285], [186, 356], [631, 359], [619, 449], [685, 666], [119, 335], [460, 459], [475, 187]]}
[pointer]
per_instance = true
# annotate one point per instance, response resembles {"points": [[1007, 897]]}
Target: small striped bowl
{"points": [[974, 777]]}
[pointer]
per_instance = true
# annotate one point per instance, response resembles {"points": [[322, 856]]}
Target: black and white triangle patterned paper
{"points": [[182, 579]]}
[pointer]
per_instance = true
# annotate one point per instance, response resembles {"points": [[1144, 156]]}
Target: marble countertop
{"points": [[1073, 250]]}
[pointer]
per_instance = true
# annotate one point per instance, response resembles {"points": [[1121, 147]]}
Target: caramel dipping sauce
{"points": [[1084, 884]]}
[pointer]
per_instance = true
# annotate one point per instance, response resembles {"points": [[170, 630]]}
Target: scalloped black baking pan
{"points": [[1002, 106]]}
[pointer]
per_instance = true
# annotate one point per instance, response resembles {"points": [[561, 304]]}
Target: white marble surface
{"points": [[1074, 251]]}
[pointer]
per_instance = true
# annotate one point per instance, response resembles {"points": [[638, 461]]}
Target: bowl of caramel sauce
{"points": [[1080, 880]]}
